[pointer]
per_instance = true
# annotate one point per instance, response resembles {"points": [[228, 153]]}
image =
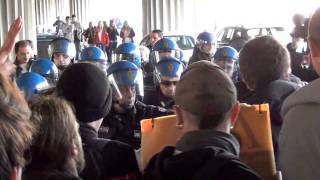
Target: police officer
{"points": [[47, 69], [164, 47], [31, 83], [123, 122], [205, 47], [62, 52], [96, 56], [130, 52], [227, 58], [169, 70]]}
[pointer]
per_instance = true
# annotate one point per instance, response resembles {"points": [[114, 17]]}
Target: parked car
{"points": [[185, 42], [236, 36]]}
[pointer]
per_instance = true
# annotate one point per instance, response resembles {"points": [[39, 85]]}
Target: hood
{"points": [[306, 95], [206, 157]]}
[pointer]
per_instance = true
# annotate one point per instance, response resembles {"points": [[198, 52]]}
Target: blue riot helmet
{"points": [[168, 71], [169, 67], [166, 47], [227, 58], [31, 84], [127, 82], [206, 43], [94, 55], [62, 52], [47, 69], [130, 52]]}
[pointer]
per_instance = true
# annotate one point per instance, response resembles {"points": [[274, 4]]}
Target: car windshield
{"points": [[184, 42]]}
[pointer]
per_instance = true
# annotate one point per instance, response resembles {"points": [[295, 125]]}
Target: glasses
{"points": [[169, 83]]}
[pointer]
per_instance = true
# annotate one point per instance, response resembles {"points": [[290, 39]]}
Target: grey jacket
{"points": [[300, 134]]}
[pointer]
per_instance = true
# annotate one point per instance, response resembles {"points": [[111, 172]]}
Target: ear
{"points": [[16, 173], [234, 113], [315, 50], [74, 149], [179, 116]]}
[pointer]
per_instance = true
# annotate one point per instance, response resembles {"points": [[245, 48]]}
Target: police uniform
{"points": [[126, 127], [156, 98]]}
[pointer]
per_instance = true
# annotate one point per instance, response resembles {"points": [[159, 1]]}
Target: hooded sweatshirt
{"points": [[204, 154], [300, 134]]}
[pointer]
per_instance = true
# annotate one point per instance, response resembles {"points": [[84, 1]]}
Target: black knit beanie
{"points": [[88, 89]]}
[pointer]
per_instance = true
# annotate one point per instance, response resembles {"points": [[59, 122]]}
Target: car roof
{"points": [[278, 28]]}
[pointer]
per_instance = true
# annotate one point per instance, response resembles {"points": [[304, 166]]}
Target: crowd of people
{"points": [[76, 114]]}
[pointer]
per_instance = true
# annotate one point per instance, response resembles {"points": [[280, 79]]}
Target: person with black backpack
{"points": [[206, 109]]}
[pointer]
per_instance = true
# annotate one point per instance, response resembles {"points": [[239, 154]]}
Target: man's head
{"points": [[62, 51], [166, 48], [227, 58], [314, 40], [207, 43], [16, 130], [205, 98], [169, 71], [47, 69], [94, 55], [155, 36], [130, 52], [113, 23], [87, 88], [67, 19], [24, 51], [57, 142], [73, 18], [127, 82], [263, 60]]}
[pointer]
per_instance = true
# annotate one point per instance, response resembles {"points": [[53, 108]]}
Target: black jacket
{"points": [[274, 94], [126, 127], [106, 159], [49, 174], [156, 98], [202, 155]]}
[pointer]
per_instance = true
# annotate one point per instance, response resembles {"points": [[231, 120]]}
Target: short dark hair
{"points": [[209, 121], [22, 43], [57, 132], [16, 129], [73, 15], [158, 31], [263, 60]]}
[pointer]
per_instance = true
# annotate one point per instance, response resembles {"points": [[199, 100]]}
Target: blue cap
{"points": [[31, 83], [170, 67], [226, 52], [165, 44], [92, 54]]}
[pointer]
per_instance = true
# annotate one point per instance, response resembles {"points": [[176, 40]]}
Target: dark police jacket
{"points": [[204, 154], [126, 127], [156, 98], [106, 159]]}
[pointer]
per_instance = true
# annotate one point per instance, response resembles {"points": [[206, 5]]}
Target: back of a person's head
{"points": [[314, 27], [206, 94], [16, 130], [57, 137], [87, 88], [57, 132], [263, 60]]}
